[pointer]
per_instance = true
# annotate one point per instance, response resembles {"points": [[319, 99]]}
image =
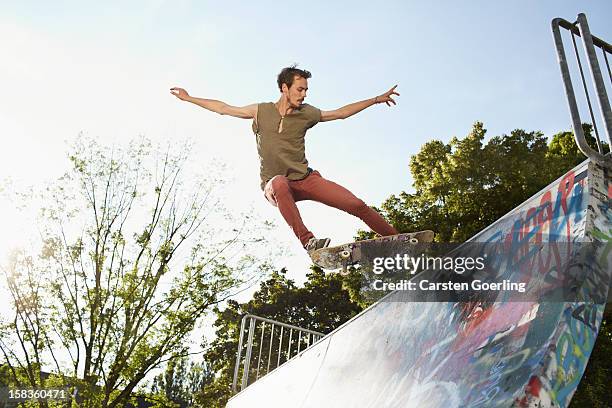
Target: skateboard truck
{"points": [[345, 256]]}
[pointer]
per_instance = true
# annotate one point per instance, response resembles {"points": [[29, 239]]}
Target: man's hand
{"points": [[387, 97], [349, 110], [179, 93]]}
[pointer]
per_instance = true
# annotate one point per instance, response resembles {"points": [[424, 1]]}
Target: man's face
{"points": [[297, 93]]}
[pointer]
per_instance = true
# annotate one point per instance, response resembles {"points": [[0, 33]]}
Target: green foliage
{"points": [[177, 385], [322, 304], [563, 152], [465, 185]]}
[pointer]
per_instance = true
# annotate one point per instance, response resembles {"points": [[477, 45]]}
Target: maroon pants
{"points": [[284, 193]]}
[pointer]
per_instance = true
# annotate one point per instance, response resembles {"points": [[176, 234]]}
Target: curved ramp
{"points": [[402, 353]]}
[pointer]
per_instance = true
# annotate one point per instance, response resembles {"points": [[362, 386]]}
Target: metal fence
{"points": [[592, 46], [276, 342]]}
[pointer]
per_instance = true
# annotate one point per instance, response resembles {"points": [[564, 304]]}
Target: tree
{"points": [[177, 385], [322, 304], [465, 185], [563, 152], [130, 259]]}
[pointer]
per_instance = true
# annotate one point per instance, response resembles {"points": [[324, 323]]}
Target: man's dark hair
{"points": [[288, 74]]}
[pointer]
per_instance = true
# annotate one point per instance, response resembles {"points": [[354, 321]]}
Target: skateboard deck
{"points": [[343, 256]]}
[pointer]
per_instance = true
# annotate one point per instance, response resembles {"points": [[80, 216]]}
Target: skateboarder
{"points": [[280, 128]]}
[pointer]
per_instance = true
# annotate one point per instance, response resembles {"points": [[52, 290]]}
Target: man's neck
{"points": [[283, 107]]}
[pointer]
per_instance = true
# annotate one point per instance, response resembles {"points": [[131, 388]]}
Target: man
{"points": [[280, 128]]}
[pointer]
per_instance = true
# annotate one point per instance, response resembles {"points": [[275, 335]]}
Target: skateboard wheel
{"points": [[413, 240], [345, 254]]}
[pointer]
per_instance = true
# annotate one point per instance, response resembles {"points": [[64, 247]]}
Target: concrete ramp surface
{"points": [[500, 353]]}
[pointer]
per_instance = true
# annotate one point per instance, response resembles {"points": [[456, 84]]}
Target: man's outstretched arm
{"points": [[222, 108], [353, 108]]}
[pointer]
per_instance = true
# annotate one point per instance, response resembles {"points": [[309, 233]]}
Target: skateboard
{"points": [[343, 256]]}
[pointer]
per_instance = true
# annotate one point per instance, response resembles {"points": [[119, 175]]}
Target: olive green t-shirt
{"points": [[283, 153]]}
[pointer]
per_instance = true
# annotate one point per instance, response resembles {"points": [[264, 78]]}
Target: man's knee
{"points": [[279, 184], [278, 187]]}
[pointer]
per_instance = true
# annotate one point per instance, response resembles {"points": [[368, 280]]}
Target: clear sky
{"points": [[105, 69]]}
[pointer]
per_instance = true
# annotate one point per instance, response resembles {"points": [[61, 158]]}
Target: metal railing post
{"points": [[239, 354], [289, 344], [263, 328], [270, 348], [589, 41], [247, 361], [571, 96], [589, 49], [280, 346]]}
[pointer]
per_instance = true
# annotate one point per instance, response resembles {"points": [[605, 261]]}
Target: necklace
{"points": [[280, 123]]}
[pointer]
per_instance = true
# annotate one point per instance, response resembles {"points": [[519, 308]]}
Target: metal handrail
{"points": [[572, 27], [589, 41], [312, 338]]}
